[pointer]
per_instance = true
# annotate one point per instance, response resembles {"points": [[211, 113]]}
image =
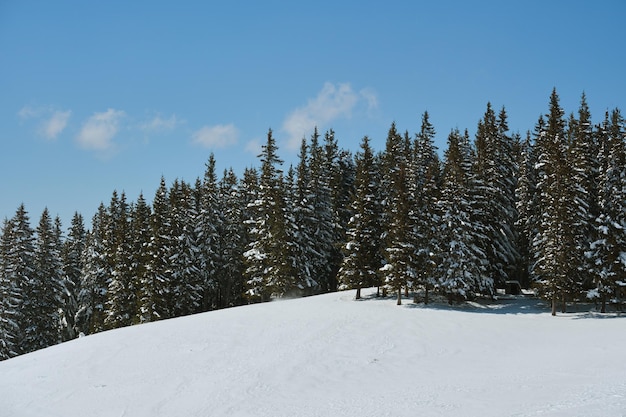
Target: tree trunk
{"points": [[554, 304], [564, 304], [358, 293], [603, 308], [399, 297], [406, 291], [426, 294]]}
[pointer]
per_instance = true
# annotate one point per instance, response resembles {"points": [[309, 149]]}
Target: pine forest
{"points": [[546, 209]]}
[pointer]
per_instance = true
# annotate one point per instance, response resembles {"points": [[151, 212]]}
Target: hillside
{"points": [[332, 356]]}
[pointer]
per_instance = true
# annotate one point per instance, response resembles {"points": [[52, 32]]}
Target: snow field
{"points": [[332, 356]]}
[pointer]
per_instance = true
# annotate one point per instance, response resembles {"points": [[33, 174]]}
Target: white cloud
{"points": [[254, 147], [159, 124], [332, 102], [98, 131], [218, 136], [28, 112], [53, 126]]}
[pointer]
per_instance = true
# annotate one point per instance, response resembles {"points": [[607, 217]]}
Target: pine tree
{"points": [[122, 303], [608, 251], [267, 273], [362, 251], [72, 256], [230, 273], [44, 289], [582, 156], [24, 289], [526, 204], [554, 243], [10, 295], [210, 224], [141, 255], [462, 261], [96, 276], [155, 287], [184, 258], [494, 183], [425, 186], [398, 270]]}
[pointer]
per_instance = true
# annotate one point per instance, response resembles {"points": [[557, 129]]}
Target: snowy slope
{"points": [[332, 356]]}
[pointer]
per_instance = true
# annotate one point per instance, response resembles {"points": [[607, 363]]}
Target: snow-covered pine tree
{"points": [[398, 271], [230, 273], [184, 257], [72, 256], [583, 160], [141, 255], [121, 304], [45, 289], [210, 225], [266, 270], [155, 288], [362, 251], [10, 294], [20, 271], [527, 208], [95, 277], [494, 182], [425, 186], [608, 252], [462, 262], [554, 244]]}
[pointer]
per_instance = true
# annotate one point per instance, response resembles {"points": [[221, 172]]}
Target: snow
{"points": [[330, 355]]}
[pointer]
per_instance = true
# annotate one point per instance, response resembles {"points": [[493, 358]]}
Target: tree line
{"points": [[547, 210]]}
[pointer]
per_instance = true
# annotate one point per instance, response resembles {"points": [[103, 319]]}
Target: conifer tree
{"points": [[141, 255], [462, 261], [72, 256], [608, 252], [425, 186], [24, 289], [184, 257], [554, 242], [362, 251], [45, 289], [10, 294], [155, 288], [96, 276], [122, 294], [230, 273], [398, 271], [266, 272]]}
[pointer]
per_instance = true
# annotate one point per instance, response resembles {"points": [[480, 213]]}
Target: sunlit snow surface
{"points": [[332, 356]]}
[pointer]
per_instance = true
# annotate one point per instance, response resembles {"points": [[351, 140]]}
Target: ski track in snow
{"points": [[332, 356]]}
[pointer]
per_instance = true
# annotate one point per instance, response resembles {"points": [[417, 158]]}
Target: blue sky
{"points": [[97, 96]]}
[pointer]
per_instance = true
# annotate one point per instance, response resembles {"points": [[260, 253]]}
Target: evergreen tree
{"points": [[362, 251], [555, 241], [267, 272], [72, 256], [10, 294], [24, 287], [398, 271], [141, 255], [608, 252], [462, 261], [425, 186], [155, 287], [122, 302], [230, 274], [96, 276], [184, 257], [45, 288], [210, 224]]}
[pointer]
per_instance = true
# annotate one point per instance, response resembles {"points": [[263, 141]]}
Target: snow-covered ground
{"points": [[332, 356]]}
